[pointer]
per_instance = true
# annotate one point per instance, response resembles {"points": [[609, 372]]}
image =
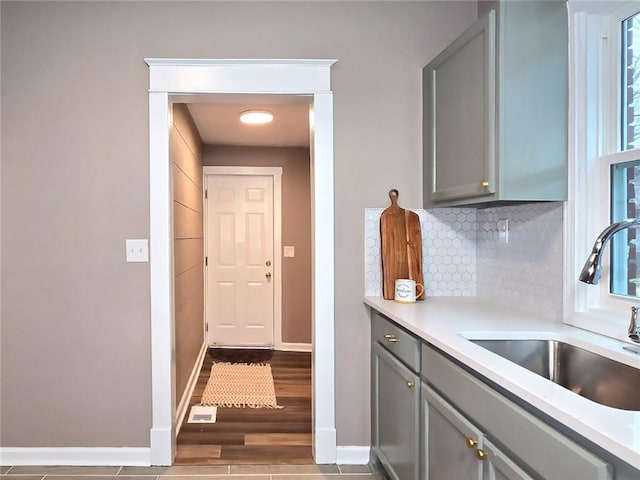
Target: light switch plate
{"points": [[289, 251], [137, 250]]}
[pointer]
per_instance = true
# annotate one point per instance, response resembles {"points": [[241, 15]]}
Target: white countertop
{"points": [[446, 321]]}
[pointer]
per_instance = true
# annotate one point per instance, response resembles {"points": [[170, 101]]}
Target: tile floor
{"points": [[217, 472]]}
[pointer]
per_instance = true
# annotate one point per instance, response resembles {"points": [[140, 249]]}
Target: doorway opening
{"points": [[248, 212], [179, 80]]}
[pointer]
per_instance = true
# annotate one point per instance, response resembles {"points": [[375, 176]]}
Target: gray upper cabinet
{"points": [[495, 109]]}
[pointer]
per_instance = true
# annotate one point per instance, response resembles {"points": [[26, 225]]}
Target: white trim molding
{"points": [[107, 456], [276, 76], [163, 394], [295, 347], [183, 406], [170, 80], [354, 455]]}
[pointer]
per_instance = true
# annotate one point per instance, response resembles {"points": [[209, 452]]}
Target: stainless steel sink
{"points": [[588, 374]]}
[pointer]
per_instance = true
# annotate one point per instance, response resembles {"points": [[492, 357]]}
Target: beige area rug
{"points": [[240, 385]]}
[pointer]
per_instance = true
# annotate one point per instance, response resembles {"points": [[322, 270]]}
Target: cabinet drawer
{"points": [[545, 450], [393, 338]]}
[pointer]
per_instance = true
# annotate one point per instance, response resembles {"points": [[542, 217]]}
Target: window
{"points": [[604, 161], [625, 246], [625, 177], [630, 75]]}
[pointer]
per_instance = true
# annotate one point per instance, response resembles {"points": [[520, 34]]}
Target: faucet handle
{"points": [[634, 328]]}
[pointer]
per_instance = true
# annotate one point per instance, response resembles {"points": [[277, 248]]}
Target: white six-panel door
{"points": [[240, 260]]}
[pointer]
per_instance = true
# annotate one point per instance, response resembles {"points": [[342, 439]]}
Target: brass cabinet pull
{"points": [[484, 184], [480, 455], [470, 442], [410, 384], [391, 338], [268, 275]]}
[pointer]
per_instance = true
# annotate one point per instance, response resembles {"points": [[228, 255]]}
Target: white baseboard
{"points": [[107, 456], [324, 445], [163, 445], [352, 455], [295, 347], [183, 406]]}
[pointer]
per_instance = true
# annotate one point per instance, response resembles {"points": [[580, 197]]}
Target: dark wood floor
{"points": [[255, 435]]}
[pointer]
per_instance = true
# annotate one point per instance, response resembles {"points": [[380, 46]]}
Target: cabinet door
{"points": [[396, 408], [500, 467], [452, 445], [460, 117]]}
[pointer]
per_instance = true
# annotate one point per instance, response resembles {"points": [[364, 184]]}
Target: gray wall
{"points": [[186, 159], [296, 226], [76, 368]]}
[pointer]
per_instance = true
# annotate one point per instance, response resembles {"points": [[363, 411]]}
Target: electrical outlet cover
{"points": [[503, 230]]}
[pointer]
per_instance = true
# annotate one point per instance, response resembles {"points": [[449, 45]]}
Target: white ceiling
{"points": [[219, 123]]}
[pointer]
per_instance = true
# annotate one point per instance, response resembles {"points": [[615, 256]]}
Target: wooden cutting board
{"points": [[401, 240]]}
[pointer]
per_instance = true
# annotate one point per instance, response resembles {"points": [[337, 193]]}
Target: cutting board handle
{"points": [[393, 195]]}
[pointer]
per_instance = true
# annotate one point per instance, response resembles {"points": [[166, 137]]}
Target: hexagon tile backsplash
{"points": [[448, 251], [464, 256], [527, 272]]}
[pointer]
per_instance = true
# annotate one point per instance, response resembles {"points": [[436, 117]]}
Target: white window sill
{"points": [[602, 323]]}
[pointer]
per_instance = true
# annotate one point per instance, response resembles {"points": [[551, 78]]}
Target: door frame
{"points": [[276, 174], [169, 81]]}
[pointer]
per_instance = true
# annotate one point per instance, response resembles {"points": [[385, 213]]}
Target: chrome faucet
{"points": [[591, 271], [634, 328]]}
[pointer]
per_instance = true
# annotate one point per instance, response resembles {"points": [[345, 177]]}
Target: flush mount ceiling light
{"points": [[256, 117]]}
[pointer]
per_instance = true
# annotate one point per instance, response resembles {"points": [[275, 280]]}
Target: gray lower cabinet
{"points": [[434, 419], [478, 417], [455, 448], [450, 440], [499, 466], [395, 399]]}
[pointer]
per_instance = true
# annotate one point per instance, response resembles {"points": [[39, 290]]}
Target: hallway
{"points": [[255, 436]]}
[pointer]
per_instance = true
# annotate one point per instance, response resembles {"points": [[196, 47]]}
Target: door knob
{"points": [[268, 275]]}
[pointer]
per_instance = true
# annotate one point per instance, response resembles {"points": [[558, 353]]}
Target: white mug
{"points": [[406, 290]]}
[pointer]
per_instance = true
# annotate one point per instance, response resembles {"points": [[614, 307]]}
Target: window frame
{"points": [[594, 141]]}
